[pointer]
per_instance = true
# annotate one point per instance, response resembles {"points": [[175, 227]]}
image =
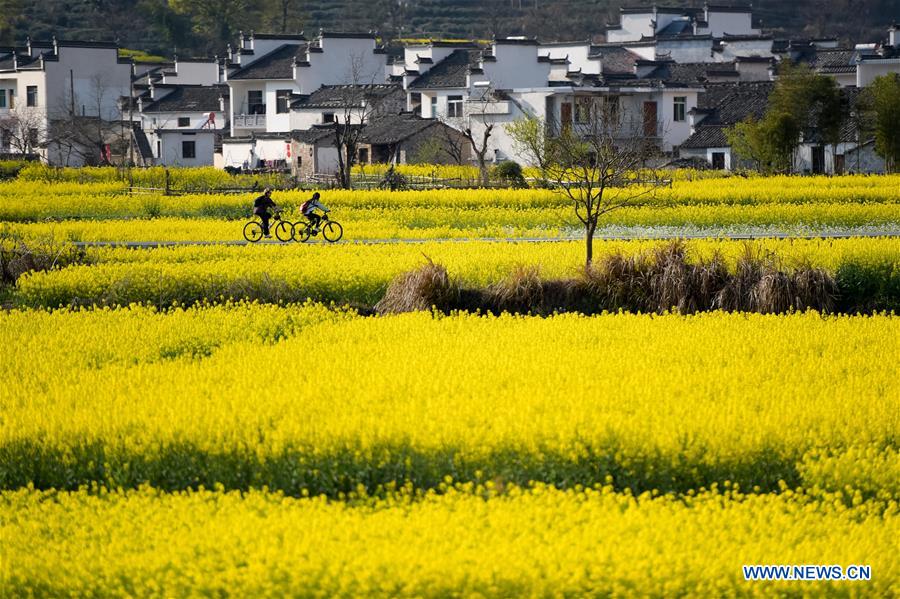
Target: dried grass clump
{"points": [[19, 256], [618, 282], [814, 288], [520, 291], [657, 281], [425, 288], [740, 291]]}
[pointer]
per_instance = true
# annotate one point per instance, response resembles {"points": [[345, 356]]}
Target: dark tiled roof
{"points": [[396, 128], [277, 64], [834, 60], [186, 98], [342, 96], [694, 72], [615, 60], [22, 60], [710, 136], [312, 135], [449, 72], [727, 104], [678, 27]]}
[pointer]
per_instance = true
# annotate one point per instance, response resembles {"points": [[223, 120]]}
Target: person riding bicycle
{"points": [[261, 207], [308, 209]]}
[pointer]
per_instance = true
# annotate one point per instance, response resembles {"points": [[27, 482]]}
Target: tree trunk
{"points": [[589, 243], [483, 171]]}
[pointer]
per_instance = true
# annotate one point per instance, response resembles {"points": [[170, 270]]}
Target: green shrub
{"points": [[510, 171]]}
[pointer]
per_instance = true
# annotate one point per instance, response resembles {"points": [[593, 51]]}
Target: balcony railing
{"points": [[250, 121]]}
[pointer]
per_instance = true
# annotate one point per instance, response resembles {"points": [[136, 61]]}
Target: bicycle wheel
{"points": [[284, 230], [301, 232], [253, 231], [332, 231]]}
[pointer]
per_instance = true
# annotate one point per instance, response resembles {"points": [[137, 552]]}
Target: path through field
{"points": [[730, 236]]}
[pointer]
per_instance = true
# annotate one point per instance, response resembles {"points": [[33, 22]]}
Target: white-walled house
{"points": [[182, 124], [274, 68], [43, 82], [337, 103], [640, 23], [268, 72]]}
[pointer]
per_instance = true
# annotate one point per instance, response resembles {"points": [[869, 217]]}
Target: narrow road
{"points": [[734, 237]]}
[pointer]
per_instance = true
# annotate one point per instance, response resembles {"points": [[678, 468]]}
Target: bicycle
{"points": [[331, 230], [284, 230]]}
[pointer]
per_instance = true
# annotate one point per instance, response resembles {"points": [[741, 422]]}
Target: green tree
{"points": [[885, 102], [802, 101], [284, 16], [218, 21]]}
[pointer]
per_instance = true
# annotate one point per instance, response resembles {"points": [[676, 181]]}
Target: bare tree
{"points": [[443, 146], [359, 102], [478, 131], [25, 130], [82, 131], [598, 163]]}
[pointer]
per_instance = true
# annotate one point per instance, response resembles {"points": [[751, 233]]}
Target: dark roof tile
{"points": [[188, 98], [449, 72], [277, 64]]}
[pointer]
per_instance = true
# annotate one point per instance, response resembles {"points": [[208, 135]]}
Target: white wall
{"points": [[442, 96], [327, 160], [95, 72], [235, 153], [169, 120], [732, 49], [194, 73], [337, 62], [695, 50], [171, 148], [516, 66], [868, 70], [674, 132], [634, 26], [733, 23], [706, 154], [577, 54]]}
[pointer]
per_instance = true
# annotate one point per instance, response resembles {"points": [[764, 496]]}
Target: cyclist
{"points": [[261, 207], [308, 209]]}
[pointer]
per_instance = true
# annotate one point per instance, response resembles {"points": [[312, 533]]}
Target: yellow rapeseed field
{"points": [[417, 222], [306, 398], [540, 542], [188, 442], [360, 273], [24, 200]]}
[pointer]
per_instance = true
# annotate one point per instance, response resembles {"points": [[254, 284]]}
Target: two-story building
{"points": [[268, 72], [181, 125], [49, 91]]}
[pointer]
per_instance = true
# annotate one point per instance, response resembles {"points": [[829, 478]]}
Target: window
{"points": [[679, 108], [5, 139], [2, 98], [32, 137], [583, 108], [718, 160], [255, 104], [158, 149], [454, 106], [184, 121], [363, 156], [328, 117], [282, 101], [188, 149], [31, 95], [434, 107]]}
